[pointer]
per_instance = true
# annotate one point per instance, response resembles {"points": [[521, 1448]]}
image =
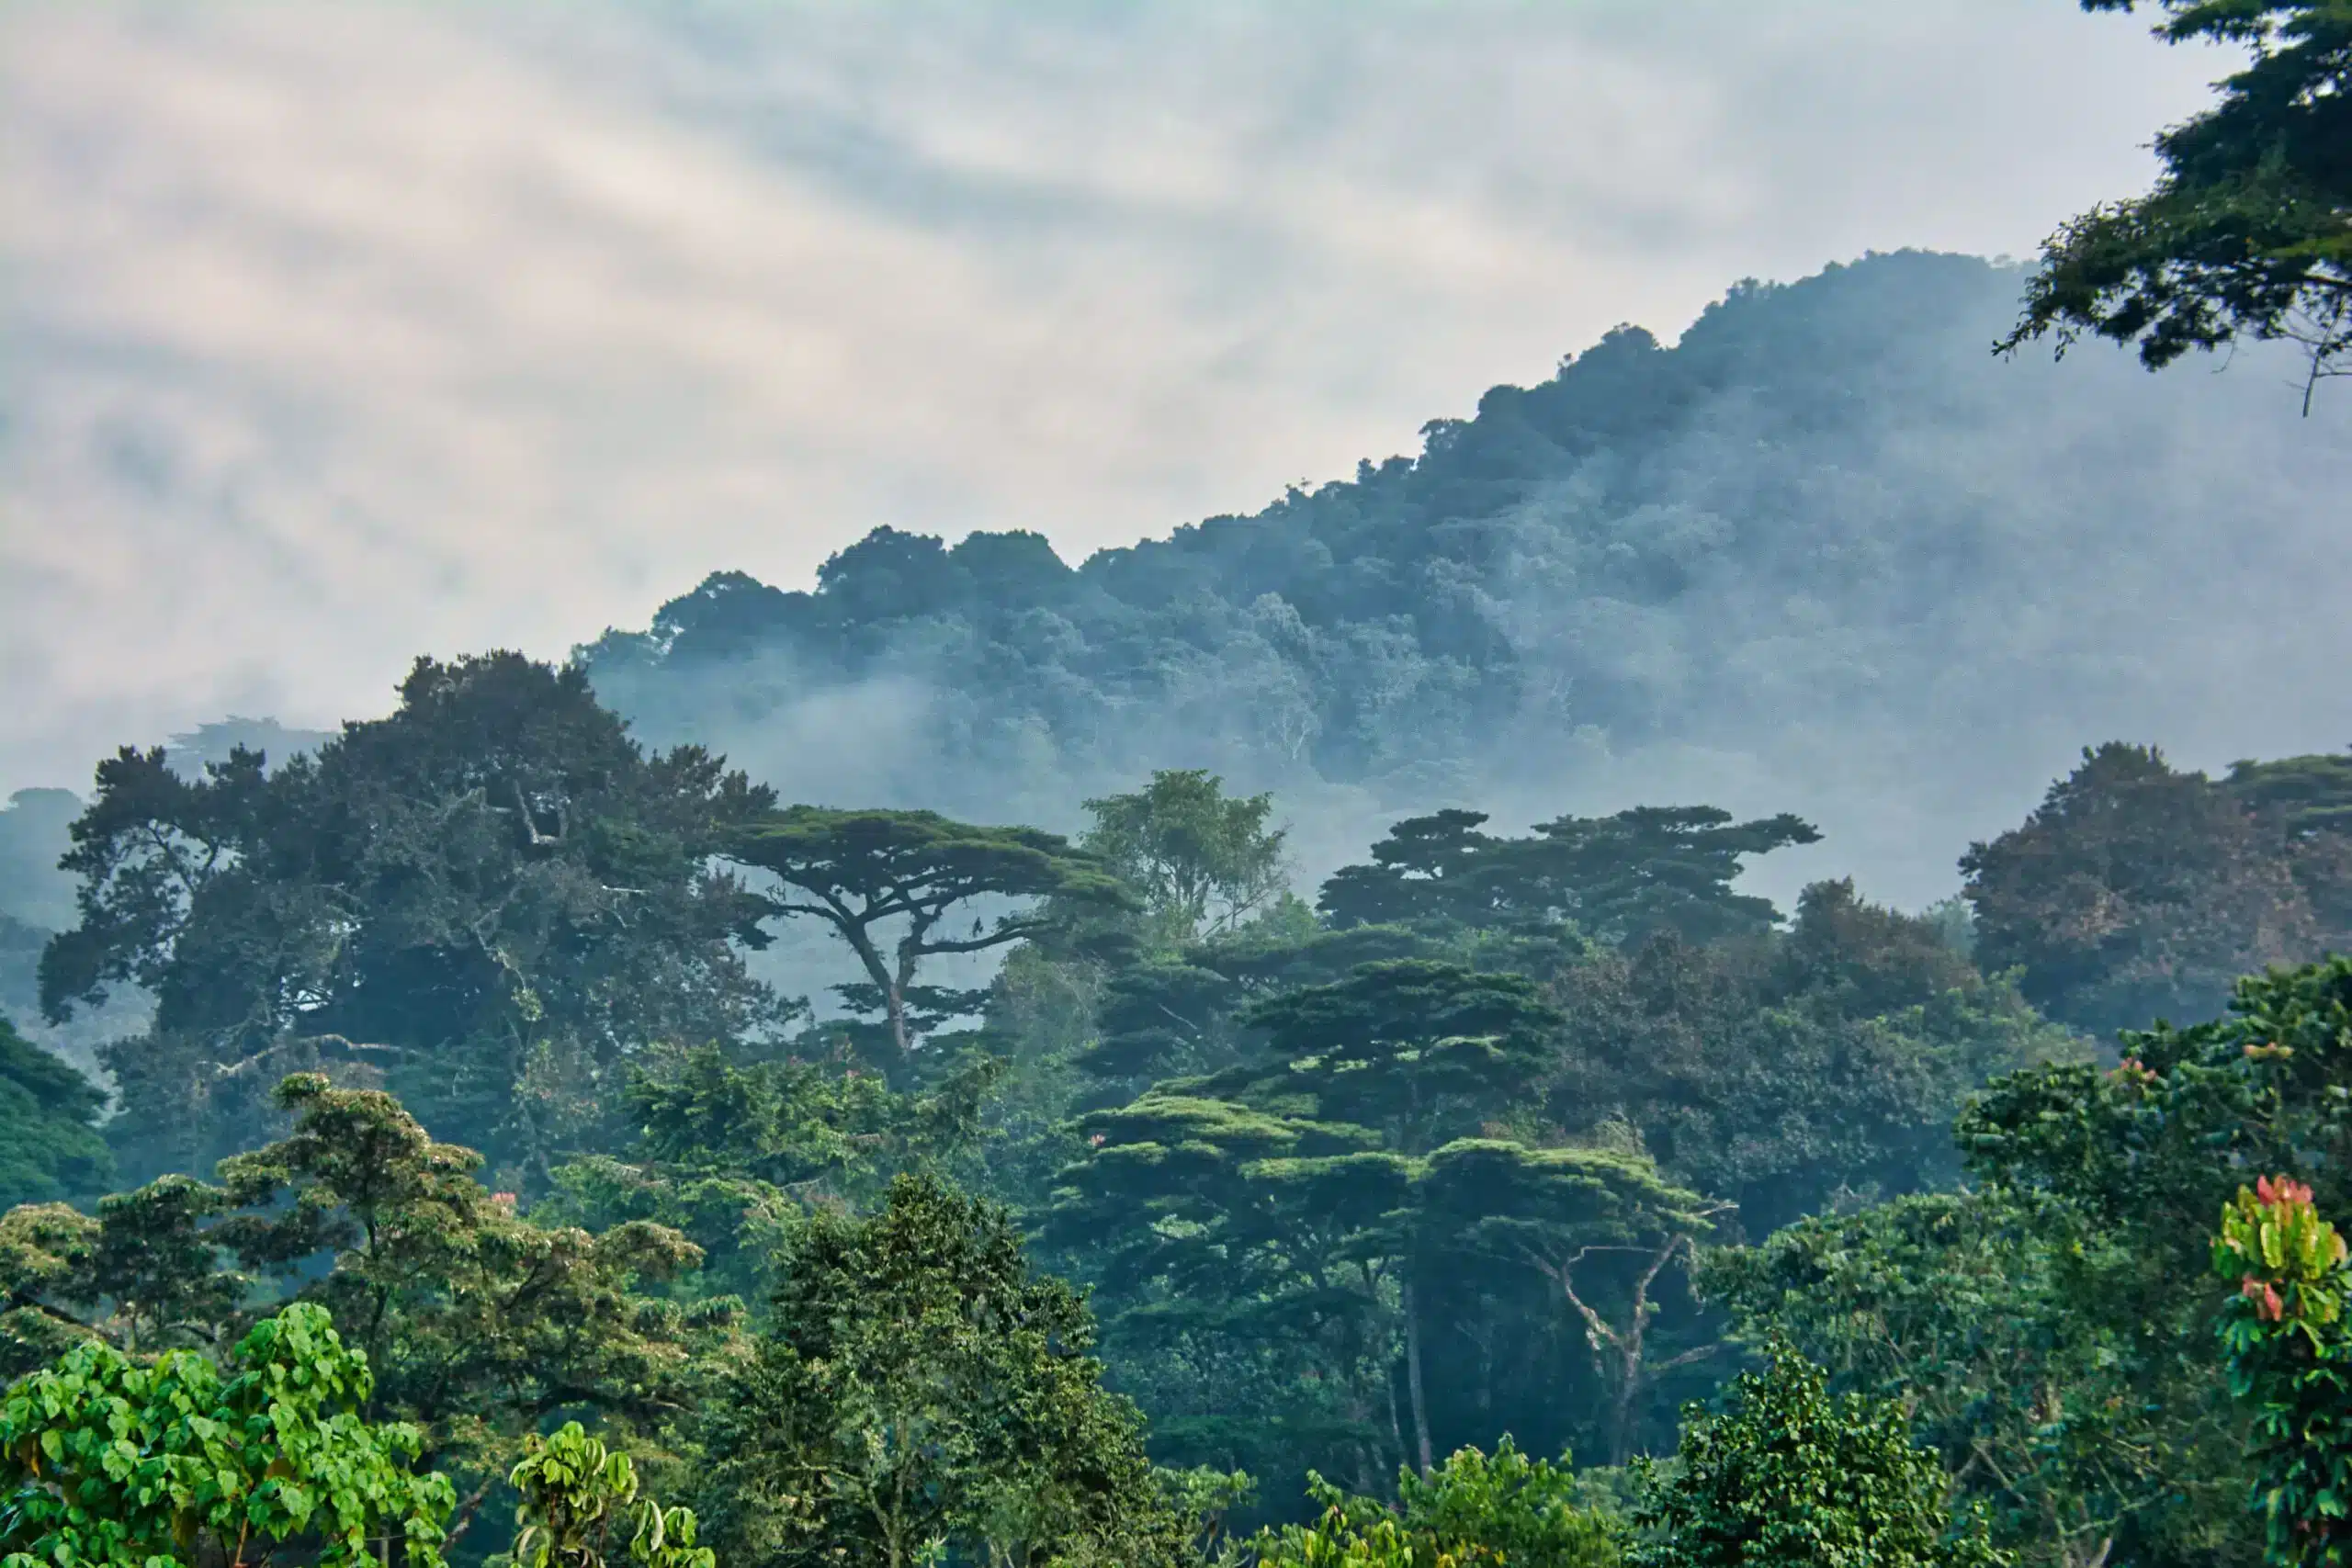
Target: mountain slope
{"points": [[1824, 554]]}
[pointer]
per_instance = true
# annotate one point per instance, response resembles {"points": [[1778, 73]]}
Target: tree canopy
{"points": [[488, 899], [2248, 231], [892, 879]]}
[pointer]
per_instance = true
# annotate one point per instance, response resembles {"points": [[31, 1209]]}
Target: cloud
{"points": [[343, 332]]}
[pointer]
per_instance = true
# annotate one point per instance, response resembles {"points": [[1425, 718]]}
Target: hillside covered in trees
{"points": [[1824, 553]]}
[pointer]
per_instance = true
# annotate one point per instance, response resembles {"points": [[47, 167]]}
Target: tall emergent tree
{"points": [[491, 898], [894, 878], [2248, 231], [1201, 860], [2138, 890]]}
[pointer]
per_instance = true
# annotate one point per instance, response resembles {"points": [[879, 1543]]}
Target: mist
{"points": [[1853, 565]]}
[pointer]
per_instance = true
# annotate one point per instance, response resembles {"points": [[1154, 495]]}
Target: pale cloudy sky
{"points": [[333, 333]]}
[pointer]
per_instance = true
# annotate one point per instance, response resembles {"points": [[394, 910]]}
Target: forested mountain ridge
{"points": [[1786, 562]]}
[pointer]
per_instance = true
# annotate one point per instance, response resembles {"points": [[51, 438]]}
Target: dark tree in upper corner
{"points": [[860, 871], [2248, 231]]}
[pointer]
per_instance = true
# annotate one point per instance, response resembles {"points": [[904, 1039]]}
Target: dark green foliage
{"points": [[1443, 867], [1185, 1015], [1419, 1051], [2007, 1324], [492, 898], [1599, 1227], [1795, 1074], [894, 878], [2137, 891], [128, 1465], [49, 1144], [2305, 795], [918, 1385], [1789, 1474], [2248, 231], [1655, 869], [1620, 879]]}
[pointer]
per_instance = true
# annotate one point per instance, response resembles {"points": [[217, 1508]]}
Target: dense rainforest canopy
{"points": [[1132, 1189]]}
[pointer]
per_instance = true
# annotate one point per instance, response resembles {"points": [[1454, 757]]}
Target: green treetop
{"points": [[50, 1146], [1202, 861], [1789, 1474], [2248, 231], [920, 1389]]}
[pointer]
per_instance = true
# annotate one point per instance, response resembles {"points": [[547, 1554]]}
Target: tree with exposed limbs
{"points": [[868, 874]]}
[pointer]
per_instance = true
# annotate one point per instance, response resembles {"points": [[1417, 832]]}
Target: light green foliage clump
{"points": [[109, 1460], [476, 1321], [1201, 860], [1791, 1475], [1504, 1509], [579, 1496]]}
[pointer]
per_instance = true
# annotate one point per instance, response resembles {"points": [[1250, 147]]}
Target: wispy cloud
{"points": [[336, 332]]}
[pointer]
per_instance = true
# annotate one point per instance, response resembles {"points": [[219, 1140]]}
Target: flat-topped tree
{"points": [[1654, 868], [1420, 1051], [862, 871], [1620, 879], [1600, 1225], [1440, 866]]}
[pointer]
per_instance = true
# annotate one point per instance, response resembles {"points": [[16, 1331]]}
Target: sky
{"points": [[336, 333]]}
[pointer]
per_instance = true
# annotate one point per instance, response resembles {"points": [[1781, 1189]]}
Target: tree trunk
{"points": [[1621, 1412], [897, 1004], [1413, 1378]]}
